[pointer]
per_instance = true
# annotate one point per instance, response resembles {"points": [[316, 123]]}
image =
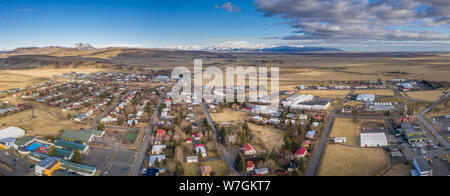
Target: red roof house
{"points": [[250, 166], [301, 152], [249, 150]]}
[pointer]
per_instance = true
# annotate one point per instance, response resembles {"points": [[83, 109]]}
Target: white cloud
{"points": [[228, 6]]}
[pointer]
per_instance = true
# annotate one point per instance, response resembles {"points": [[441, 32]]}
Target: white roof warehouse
{"points": [[373, 139], [12, 132]]}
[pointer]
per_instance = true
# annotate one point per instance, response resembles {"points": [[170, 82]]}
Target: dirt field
{"points": [[228, 116], [342, 160], [425, 95], [380, 92], [326, 93], [268, 137]]}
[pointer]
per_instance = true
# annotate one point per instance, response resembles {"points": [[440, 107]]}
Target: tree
{"points": [[77, 158], [101, 127], [200, 155], [179, 169], [156, 163], [69, 116], [272, 154], [240, 162]]}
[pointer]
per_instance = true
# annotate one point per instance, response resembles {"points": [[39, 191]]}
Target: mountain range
{"points": [[243, 46]]}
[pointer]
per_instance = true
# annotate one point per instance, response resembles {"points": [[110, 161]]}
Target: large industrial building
{"points": [[11, 132], [365, 97], [306, 102], [373, 140]]}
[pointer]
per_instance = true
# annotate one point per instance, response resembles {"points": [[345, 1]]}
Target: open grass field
{"points": [[379, 92], [267, 136], [399, 170], [326, 93], [47, 121], [431, 96], [191, 169], [22, 78], [219, 168], [342, 160], [441, 109]]}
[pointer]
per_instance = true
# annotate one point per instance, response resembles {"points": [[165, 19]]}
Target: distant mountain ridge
{"points": [[83, 46], [243, 46]]}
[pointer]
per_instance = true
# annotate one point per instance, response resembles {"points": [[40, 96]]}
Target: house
{"points": [[306, 143], [196, 136], [157, 149], [205, 170], [192, 159], [189, 140], [310, 134], [293, 165], [303, 117], [153, 158], [249, 150], [421, 167], [340, 140], [201, 149], [161, 133], [250, 166], [261, 171], [301, 152]]}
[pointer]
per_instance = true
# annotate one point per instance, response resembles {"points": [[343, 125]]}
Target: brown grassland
{"points": [[343, 160], [431, 96]]}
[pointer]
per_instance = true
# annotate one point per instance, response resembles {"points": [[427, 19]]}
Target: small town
{"points": [[123, 124]]}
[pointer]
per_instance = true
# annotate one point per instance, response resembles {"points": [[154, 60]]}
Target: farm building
{"points": [[366, 97], [373, 139], [306, 102], [12, 132]]}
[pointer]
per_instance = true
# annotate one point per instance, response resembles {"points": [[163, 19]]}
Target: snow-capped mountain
{"points": [[243, 46], [83, 46]]}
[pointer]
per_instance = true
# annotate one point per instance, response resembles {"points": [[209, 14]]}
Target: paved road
{"points": [[229, 159], [109, 109], [146, 143], [313, 164], [436, 134]]}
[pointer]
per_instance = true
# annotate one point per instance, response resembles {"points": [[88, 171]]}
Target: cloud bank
{"points": [[343, 20]]}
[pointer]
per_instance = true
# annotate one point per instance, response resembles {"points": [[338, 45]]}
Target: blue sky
{"points": [[167, 23]]}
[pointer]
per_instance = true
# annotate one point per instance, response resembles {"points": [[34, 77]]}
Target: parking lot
{"points": [[111, 162], [21, 167]]}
